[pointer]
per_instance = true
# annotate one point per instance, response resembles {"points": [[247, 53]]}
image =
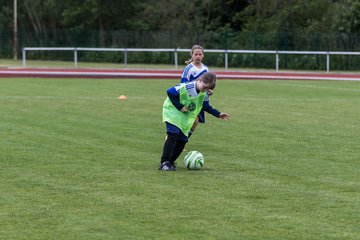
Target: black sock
{"points": [[169, 147], [179, 147], [191, 132]]}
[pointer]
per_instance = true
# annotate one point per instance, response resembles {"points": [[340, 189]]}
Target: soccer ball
{"points": [[194, 160]]}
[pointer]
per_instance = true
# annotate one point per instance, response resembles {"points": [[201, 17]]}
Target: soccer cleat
{"points": [[167, 166]]}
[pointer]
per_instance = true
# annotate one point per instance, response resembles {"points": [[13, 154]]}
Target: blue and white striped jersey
{"points": [[191, 89], [191, 72]]}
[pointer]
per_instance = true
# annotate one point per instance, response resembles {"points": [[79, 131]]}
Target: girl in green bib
{"points": [[180, 110]]}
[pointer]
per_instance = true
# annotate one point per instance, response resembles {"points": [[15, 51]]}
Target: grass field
{"points": [[77, 163]]}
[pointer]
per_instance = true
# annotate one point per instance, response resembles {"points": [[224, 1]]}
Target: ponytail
{"points": [[188, 61]]}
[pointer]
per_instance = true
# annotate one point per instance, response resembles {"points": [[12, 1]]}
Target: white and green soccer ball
{"points": [[194, 160]]}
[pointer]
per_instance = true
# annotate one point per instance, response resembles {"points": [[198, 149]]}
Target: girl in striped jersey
{"points": [[180, 109], [194, 69]]}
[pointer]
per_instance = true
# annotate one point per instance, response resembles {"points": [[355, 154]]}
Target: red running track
{"points": [[167, 74]]}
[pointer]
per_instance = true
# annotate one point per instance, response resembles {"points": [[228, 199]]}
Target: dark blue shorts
{"points": [[170, 128]]}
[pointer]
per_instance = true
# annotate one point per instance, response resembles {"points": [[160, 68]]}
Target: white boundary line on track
{"points": [[60, 73], [94, 74], [286, 77], [55, 97]]}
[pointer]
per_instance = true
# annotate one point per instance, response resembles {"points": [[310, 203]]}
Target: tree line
{"points": [[322, 25], [198, 15]]}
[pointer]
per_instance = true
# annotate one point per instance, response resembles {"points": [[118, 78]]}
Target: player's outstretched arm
{"points": [[224, 116]]}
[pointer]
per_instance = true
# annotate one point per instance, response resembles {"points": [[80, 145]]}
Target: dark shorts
{"points": [[170, 128]]}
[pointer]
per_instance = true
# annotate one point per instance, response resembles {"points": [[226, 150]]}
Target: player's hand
{"points": [[210, 92], [184, 109], [224, 116]]}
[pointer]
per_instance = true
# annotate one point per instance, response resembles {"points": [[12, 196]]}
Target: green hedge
{"points": [[210, 40]]}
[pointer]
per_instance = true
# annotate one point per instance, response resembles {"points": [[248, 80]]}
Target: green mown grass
{"points": [[77, 163]]}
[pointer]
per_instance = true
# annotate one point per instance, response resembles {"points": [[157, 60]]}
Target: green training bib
{"points": [[184, 121]]}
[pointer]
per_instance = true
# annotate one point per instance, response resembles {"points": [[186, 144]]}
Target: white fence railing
{"points": [[176, 50]]}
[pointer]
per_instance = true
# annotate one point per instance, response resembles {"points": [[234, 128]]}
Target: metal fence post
{"points": [[24, 57], [75, 57], [277, 61], [226, 59], [125, 57], [176, 58], [327, 62]]}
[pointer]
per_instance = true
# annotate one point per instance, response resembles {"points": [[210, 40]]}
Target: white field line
{"points": [[74, 98], [279, 77], [74, 73], [54, 97], [176, 75]]}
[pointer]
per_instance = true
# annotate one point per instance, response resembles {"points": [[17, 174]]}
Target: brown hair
{"points": [[210, 79], [192, 51]]}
